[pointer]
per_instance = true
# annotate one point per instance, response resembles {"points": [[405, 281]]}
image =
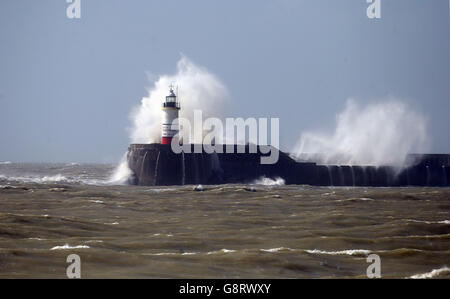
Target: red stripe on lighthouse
{"points": [[166, 140]]}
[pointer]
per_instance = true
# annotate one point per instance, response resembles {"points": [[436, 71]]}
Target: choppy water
{"points": [[48, 211]]}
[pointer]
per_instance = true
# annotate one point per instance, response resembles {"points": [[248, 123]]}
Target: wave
{"points": [[428, 222], [269, 182], [97, 201], [158, 190], [172, 253], [162, 235], [352, 252], [278, 249], [67, 246], [48, 179], [355, 199], [73, 164], [221, 251], [432, 274], [162, 253], [34, 179], [443, 236], [54, 178], [400, 252], [121, 174], [358, 126], [5, 163]]}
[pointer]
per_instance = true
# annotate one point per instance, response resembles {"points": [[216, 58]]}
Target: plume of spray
{"points": [[381, 133], [121, 173], [198, 89]]}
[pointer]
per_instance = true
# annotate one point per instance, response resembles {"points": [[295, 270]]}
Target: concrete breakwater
{"points": [[157, 165]]}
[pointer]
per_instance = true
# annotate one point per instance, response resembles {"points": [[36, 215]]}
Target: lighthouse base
{"points": [[166, 140]]}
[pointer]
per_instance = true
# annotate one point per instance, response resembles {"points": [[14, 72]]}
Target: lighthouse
{"points": [[170, 109]]}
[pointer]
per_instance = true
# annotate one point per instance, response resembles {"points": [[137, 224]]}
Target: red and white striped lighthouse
{"points": [[170, 112]]}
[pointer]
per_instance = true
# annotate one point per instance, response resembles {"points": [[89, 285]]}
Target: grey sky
{"points": [[67, 86]]}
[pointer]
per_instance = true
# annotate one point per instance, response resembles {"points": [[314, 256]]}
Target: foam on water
{"points": [[47, 179], [353, 252], [51, 173], [159, 190], [35, 179], [67, 246], [432, 274], [269, 182], [429, 222], [277, 249], [224, 250], [221, 251]]}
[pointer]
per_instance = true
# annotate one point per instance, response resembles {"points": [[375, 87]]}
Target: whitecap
{"points": [[67, 246], [444, 236], [429, 222], [97, 201], [34, 179], [166, 235], [353, 252], [157, 190], [432, 274], [54, 178], [46, 179], [269, 182], [277, 249], [222, 251], [162, 253], [355, 199]]}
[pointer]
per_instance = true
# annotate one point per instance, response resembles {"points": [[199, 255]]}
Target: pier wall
{"points": [[156, 165]]}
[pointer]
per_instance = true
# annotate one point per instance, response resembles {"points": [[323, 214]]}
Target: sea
{"points": [[263, 229]]}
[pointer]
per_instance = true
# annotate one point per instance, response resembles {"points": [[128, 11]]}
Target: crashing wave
{"points": [[269, 182], [432, 274]]}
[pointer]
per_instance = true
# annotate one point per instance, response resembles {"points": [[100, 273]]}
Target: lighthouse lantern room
{"points": [[170, 110]]}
